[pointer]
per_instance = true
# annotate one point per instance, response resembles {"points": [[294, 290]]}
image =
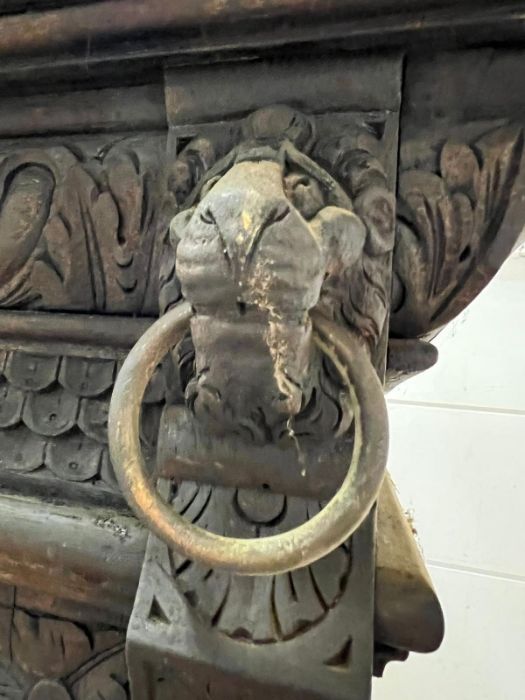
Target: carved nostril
{"points": [[278, 214], [206, 216]]}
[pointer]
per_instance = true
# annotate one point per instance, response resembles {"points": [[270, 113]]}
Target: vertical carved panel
{"points": [[281, 210]]}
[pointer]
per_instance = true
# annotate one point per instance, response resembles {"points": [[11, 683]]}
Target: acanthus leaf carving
{"points": [[80, 231], [447, 222], [261, 609], [44, 656]]}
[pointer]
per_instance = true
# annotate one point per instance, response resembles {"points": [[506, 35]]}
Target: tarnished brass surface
{"points": [[267, 555]]}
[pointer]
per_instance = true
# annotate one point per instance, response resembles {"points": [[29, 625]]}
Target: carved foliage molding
{"points": [[43, 657], [78, 227], [255, 609], [448, 219]]}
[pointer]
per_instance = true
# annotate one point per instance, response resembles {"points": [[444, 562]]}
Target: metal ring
{"points": [[266, 555]]}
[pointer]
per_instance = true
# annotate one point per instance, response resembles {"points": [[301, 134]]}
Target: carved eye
{"points": [[206, 216]]}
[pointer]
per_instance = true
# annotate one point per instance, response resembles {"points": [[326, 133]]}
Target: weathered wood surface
{"points": [[113, 114], [81, 27]]}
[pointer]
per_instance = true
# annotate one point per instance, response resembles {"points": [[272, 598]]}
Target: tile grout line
{"points": [[457, 407], [488, 573]]}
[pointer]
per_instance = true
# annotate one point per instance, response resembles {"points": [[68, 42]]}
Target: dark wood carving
{"points": [[249, 635], [287, 190], [451, 205], [53, 417], [256, 609], [79, 227], [45, 657], [266, 234]]}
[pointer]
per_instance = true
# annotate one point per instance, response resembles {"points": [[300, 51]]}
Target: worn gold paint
{"points": [[246, 220]]}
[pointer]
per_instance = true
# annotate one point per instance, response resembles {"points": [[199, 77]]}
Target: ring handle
{"points": [[266, 555]]}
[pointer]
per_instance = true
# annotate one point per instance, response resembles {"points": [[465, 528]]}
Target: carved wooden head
{"points": [[266, 236]]}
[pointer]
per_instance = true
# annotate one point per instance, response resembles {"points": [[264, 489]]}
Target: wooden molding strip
{"points": [[78, 28], [139, 108], [82, 335], [100, 564]]}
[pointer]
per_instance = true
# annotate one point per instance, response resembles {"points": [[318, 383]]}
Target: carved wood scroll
{"points": [[80, 225]]}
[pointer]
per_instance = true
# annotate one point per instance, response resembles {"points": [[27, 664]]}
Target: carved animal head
{"points": [[266, 236]]}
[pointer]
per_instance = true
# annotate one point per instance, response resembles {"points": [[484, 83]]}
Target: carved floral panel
{"points": [[79, 226]]}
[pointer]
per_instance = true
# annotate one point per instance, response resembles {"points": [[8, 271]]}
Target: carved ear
{"points": [[178, 226], [211, 177], [334, 192], [342, 235], [169, 286], [352, 290]]}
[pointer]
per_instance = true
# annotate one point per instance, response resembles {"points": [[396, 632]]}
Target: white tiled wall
{"points": [[458, 459]]}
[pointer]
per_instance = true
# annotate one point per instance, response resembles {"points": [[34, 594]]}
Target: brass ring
{"points": [[266, 555]]}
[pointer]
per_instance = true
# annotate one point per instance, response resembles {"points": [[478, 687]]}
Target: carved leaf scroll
{"points": [[45, 657], [47, 647], [447, 221], [80, 232]]}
